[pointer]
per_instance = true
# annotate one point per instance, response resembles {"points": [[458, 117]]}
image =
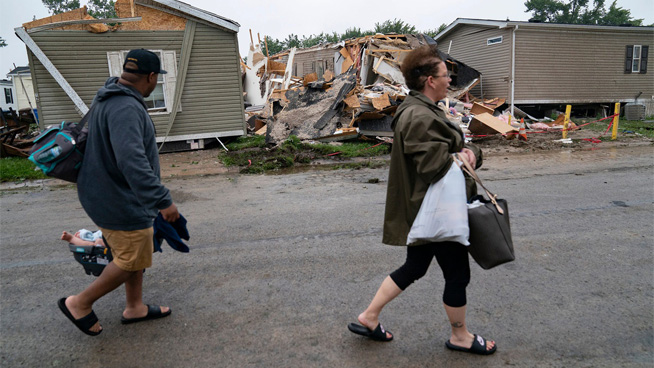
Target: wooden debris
{"points": [[486, 123], [328, 75], [381, 102], [352, 102], [478, 108]]}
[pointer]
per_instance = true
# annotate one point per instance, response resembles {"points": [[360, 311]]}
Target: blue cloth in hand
{"points": [[172, 232]]}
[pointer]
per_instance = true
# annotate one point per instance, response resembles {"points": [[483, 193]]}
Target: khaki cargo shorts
{"points": [[132, 250]]}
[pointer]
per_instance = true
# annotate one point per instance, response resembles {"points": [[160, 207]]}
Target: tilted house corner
{"points": [[72, 54]]}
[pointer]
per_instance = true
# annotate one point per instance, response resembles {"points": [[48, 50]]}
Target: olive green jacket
{"points": [[423, 142]]}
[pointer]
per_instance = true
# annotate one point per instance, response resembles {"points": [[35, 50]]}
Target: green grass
{"points": [[624, 127], [252, 154], [18, 169], [255, 141]]}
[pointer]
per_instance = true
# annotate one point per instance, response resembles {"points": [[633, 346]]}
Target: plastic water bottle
{"points": [[49, 155]]}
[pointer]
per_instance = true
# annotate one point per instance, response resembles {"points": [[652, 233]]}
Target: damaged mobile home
{"points": [[72, 54], [338, 90]]}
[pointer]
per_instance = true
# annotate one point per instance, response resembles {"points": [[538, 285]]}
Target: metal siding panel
{"points": [[578, 66], [492, 61], [81, 57], [212, 99]]}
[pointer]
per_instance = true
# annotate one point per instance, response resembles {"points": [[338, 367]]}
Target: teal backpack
{"points": [[59, 150]]}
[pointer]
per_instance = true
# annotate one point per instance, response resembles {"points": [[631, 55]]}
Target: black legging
{"points": [[453, 259]]}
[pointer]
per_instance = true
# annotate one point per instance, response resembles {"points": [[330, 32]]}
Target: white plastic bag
{"points": [[443, 214]]}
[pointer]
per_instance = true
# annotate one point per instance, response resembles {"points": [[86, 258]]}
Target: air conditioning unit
{"points": [[634, 112]]}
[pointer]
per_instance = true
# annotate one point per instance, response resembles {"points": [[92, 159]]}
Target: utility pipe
{"points": [[515, 28]]}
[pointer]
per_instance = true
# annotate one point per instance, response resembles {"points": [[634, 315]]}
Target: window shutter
{"points": [[115, 66], [643, 59], [170, 65]]}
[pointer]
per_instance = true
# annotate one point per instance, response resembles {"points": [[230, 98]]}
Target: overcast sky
{"points": [[278, 19]]}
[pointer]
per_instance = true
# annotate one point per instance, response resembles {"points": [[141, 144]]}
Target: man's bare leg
{"points": [[135, 308], [111, 277]]}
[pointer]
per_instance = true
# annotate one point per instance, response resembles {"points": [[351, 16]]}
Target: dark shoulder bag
{"points": [[490, 230], [59, 150]]}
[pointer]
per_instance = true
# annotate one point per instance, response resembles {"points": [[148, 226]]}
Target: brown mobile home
{"points": [[546, 63], [71, 55]]}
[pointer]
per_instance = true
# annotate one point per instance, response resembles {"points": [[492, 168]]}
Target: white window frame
{"points": [[494, 40], [636, 58], [10, 95], [168, 63]]}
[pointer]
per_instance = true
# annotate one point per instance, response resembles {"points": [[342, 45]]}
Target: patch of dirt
{"points": [[192, 163], [538, 141]]}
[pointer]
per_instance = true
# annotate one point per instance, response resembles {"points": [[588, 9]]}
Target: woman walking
{"points": [[423, 143]]}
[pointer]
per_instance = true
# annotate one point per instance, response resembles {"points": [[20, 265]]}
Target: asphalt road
{"points": [[280, 264]]}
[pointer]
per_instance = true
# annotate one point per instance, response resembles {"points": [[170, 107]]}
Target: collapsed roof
{"points": [[336, 89]]}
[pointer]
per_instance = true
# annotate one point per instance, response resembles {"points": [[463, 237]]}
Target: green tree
{"points": [[3, 43], [102, 9], [579, 12], [353, 32], [313, 40], [389, 26], [292, 41], [617, 16], [272, 46], [432, 33], [394, 26], [60, 6]]}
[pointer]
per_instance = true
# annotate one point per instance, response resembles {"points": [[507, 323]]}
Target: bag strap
{"points": [[470, 171], [85, 118]]}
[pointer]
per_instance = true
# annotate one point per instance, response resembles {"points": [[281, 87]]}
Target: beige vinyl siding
{"points": [[492, 61], [81, 58], [212, 97], [579, 66]]}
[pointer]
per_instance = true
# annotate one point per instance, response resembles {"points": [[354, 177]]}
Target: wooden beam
{"points": [[29, 42], [386, 50], [82, 21]]}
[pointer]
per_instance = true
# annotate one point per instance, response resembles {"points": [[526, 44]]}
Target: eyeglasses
{"points": [[448, 75]]}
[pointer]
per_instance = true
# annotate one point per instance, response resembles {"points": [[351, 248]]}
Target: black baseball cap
{"points": [[146, 62]]}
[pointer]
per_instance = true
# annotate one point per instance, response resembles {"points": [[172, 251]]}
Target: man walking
{"points": [[120, 188]]}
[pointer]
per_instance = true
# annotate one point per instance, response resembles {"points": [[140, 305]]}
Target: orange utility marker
{"points": [[566, 121], [522, 133], [616, 120]]}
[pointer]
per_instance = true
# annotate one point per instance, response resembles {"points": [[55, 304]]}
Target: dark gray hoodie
{"points": [[119, 184]]}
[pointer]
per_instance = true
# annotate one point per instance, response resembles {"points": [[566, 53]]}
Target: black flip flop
{"points": [[85, 323], [154, 312], [378, 334], [478, 346]]}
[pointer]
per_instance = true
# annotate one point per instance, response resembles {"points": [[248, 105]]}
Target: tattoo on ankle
{"points": [[457, 324]]}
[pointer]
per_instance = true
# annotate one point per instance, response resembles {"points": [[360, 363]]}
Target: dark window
{"points": [[9, 98], [636, 59]]}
